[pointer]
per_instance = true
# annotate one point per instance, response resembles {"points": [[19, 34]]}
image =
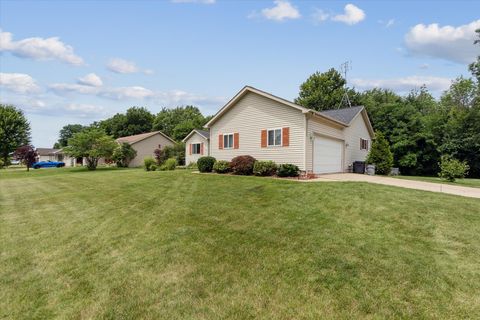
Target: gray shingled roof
{"points": [[204, 133], [343, 115]]}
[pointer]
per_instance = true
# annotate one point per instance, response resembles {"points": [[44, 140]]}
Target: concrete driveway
{"points": [[411, 184]]}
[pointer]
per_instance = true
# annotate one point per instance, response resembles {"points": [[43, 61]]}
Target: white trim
{"points": [[281, 138], [233, 140], [191, 134], [199, 147]]}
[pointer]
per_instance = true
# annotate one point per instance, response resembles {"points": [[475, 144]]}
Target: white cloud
{"points": [[194, 1], [39, 49], [351, 16], [134, 92], [447, 42], [90, 79], [19, 83], [84, 110], [390, 23], [424, 66], [118, 65], [404, 84], [319, 15], [282, 10]]}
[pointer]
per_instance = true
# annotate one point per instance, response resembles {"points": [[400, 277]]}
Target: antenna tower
{"points": [[344, 68]]}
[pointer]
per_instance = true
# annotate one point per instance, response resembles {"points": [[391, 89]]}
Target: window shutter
{"points": [[220, 141], [264, 138], [236, 142], [361, 143], [286, 137], [201, 148], [190, 148]]}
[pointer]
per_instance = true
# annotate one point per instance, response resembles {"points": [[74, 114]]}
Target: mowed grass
{"points": [[125, 244], [475, 183]]}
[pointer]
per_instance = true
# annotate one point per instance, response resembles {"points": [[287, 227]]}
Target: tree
{"points": [[324, 91], [14, 130], [91, 144], [178, 122], [123, 154], [27, 155], [380, 154], [135, 121], [475, 66], [67, 132]]}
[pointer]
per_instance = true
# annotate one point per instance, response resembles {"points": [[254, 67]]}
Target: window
{"points": [[228, 141], [363, 144], [196, 148], [274, 137]]}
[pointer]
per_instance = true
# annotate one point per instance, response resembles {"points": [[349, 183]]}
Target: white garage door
{"points": [[327, 155]]}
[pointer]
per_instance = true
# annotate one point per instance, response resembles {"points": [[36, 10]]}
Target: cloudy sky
{"points": [[80, 61]]}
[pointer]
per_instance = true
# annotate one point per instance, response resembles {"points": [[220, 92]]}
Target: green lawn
{"points": [[475, 183], [124, 244]]}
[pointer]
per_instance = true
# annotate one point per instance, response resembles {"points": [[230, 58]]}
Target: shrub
{"points": [[123, 154], [380, 154], [221, 166], [1, 164], [148, 162], [288, 170], [451, 169], [153, 167], [205, 164], [177, 151], [170, 164], [264, 168], [242, 165]]}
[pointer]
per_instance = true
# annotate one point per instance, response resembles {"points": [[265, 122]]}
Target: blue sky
{"points": [[80, 61]]}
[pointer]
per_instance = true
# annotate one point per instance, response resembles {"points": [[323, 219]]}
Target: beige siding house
{"points": [[49, 154], [197, 145], [145, 145], [267, 127]]}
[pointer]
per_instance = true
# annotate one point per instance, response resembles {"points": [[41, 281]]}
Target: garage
{"points": [[327, 155]]}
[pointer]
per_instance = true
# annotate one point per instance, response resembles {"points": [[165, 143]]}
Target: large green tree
{"points": [[179, 121], [67, 132], [14, 130], [324, 91], [475, 66], [135, 121], [92, 144]]}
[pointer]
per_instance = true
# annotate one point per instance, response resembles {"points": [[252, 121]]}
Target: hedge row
{"points": [[247, 165]]}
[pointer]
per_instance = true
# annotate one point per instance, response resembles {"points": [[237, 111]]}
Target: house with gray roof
{"points": [[267, 127]]}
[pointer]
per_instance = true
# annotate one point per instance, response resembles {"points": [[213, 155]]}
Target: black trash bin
{"points": [[359, 167]]}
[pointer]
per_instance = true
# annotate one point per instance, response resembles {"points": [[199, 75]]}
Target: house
{"points": [[197, 146], [50, 154], [145, 145], [267, 127]]}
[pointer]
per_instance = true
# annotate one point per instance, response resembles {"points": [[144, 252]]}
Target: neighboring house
{"points": [[267, 127], [50, 154], [197, 146], [145, 145]]}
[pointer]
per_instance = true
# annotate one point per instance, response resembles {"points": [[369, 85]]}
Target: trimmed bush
{"points": [[153, 167], [148, 162], [380, 154], [288, 170], [451, 169], [242, 165], [205, 164], [221, 166], [264, 168], [169, 164]]}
